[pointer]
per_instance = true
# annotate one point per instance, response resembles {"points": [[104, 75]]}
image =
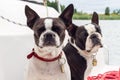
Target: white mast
{"points": [[58, 5], [45, 4]]}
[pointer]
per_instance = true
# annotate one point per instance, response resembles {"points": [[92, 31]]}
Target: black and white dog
{"points": [[48, 61], [81, 48]]}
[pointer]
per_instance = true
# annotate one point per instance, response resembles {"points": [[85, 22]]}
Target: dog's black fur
{"points": [[78, 34], [76, 62]]}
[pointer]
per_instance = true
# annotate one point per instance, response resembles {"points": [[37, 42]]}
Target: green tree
{"points": [[62, 7], [116, 11], [52, 4], [119, 11], [75, 11], [107, 11]]}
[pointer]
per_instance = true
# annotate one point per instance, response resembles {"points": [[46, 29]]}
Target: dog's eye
{"points": [[56, 29], [40, 30]]}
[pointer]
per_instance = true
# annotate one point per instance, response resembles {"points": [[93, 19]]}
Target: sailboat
{"points": [[16, 40]]}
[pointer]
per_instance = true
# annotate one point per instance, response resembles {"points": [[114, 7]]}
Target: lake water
{"points": [[111, 37]]}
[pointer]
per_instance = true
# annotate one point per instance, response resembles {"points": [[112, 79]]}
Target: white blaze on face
{"points": [[90, 28], [48, 26]]}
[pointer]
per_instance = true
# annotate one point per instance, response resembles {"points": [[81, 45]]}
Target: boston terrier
{"points": [[48, 61], [82, 48]]}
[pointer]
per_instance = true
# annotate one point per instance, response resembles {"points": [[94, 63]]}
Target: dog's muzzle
{"points": [[49, 39], [96, 40]]}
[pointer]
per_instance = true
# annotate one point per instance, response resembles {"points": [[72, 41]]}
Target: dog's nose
{"points": [[49, 39], [88, 50], [101, 45], [49, 35]]}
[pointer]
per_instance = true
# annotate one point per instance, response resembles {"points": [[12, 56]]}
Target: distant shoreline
{"points": [[101, 16]]}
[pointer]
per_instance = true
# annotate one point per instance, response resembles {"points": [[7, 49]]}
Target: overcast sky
{"points": [[92, 5]]}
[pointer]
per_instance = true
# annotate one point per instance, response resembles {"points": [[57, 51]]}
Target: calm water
{"points": [[111, 37]]}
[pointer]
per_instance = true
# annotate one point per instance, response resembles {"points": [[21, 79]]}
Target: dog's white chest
{"points": [[40, 70]]}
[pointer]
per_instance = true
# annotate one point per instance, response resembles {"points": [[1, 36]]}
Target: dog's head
{"points": [[49, 32], [87, 37]]}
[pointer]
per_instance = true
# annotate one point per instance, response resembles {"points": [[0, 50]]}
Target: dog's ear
{"points": [[31, 15], [95, 18], [67, 14], [72, 30]]}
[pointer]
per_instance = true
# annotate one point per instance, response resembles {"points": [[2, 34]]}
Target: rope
{"points": [[110, 75], [16, 23]]}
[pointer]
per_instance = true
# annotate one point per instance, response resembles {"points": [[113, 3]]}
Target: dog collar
{"points": [[43, 59]]}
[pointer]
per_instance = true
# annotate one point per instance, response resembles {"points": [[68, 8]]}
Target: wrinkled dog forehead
{"points": [[48, 23]]}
